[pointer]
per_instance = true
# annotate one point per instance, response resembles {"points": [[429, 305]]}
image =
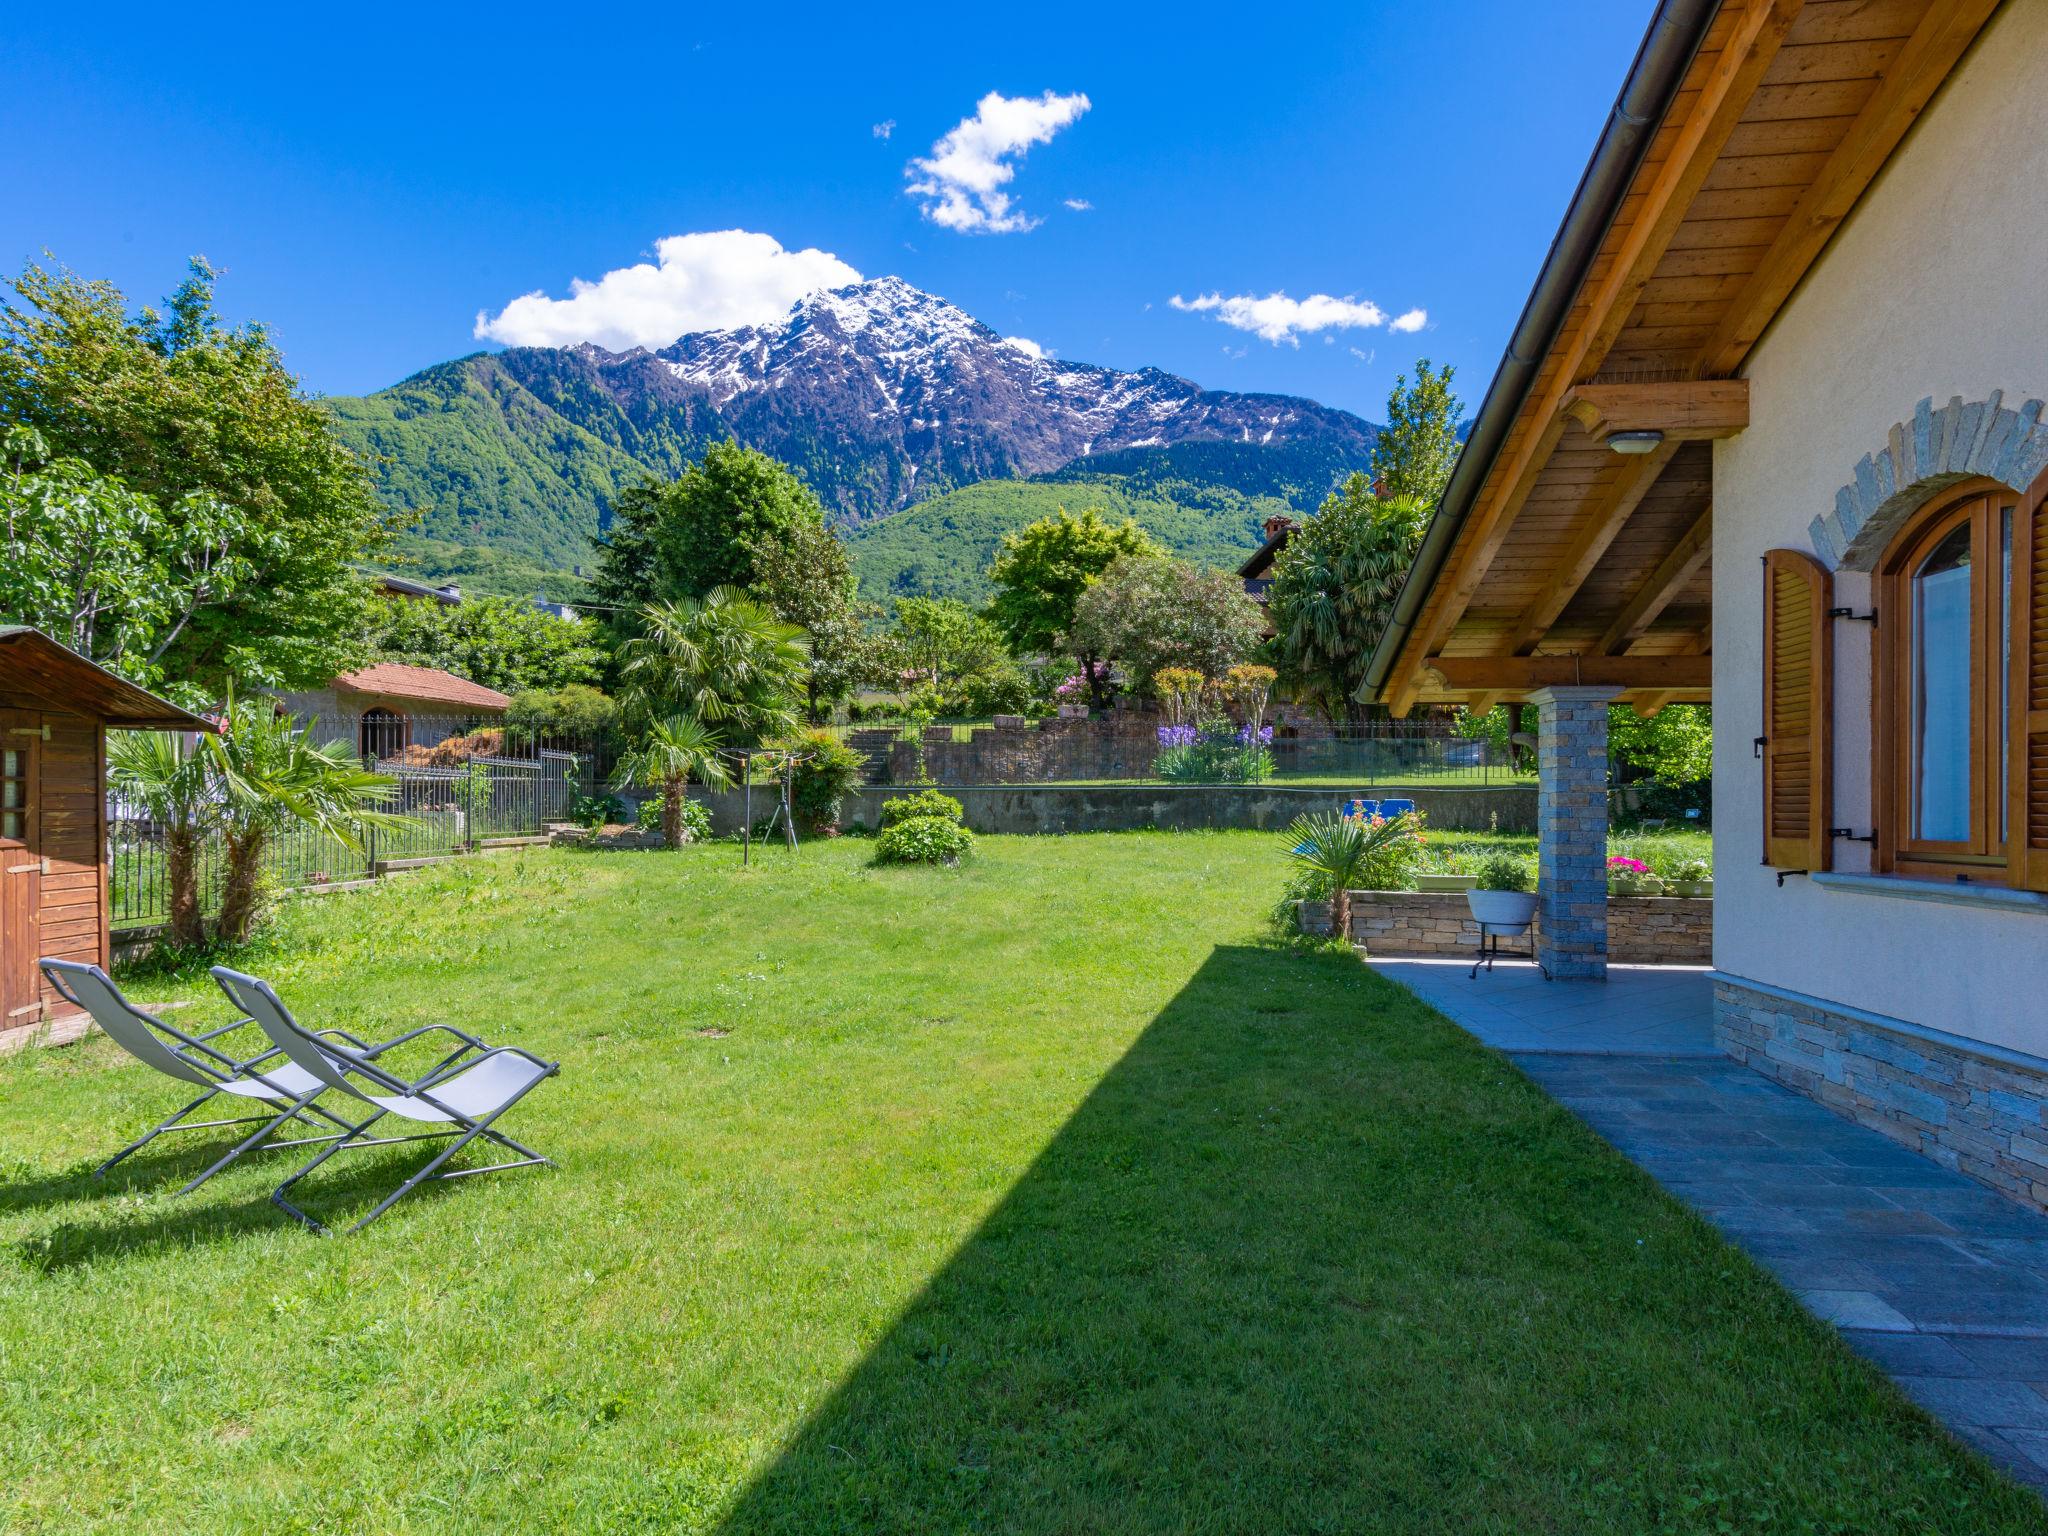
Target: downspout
{"points": [[1675, 35]]}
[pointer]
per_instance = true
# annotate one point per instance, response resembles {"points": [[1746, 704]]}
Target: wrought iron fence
{"points": [[456, 786]]}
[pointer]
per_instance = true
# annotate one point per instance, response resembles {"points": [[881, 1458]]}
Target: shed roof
{"points": [[34, 664], [428, 685]]}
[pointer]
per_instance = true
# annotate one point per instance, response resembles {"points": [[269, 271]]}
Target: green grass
{"points": [[1042, 1195]]}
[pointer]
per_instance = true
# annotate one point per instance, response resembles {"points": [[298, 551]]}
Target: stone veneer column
{"points": [[1571, 831]]}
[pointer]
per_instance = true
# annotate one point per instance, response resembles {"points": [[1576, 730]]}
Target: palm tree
{"points": [[1340, 850], [150, 770], [266, 774], [672, 750], [723, 660]]}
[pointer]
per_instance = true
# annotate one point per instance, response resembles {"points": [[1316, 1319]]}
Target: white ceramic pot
{"points": [[1502, 910]]}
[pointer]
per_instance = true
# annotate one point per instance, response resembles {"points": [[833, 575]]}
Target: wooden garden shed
{"points": [[55, 711]]}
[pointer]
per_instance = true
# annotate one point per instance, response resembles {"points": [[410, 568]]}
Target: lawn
{"points": [[1045, 1195]]}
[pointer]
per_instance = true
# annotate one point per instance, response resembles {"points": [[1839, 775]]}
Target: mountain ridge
{"points": [[878, 394]]}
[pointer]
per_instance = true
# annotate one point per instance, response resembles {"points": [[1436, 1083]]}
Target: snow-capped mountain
{"points": [[879, 394]]}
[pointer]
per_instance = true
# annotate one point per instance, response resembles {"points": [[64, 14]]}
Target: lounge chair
{"points": [[1392, 808], [465, 1092], [1360, 810], [269, 1078]]}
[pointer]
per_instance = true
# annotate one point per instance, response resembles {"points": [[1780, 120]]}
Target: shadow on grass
{"points": [[1309, 1259]]}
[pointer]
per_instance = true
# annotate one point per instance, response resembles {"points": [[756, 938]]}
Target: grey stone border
{"points": [[1936, 449]]}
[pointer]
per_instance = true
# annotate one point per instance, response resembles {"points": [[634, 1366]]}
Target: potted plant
{"points": [[1451, 870], [1631, 877], [1692, 877], [1502, 901]]}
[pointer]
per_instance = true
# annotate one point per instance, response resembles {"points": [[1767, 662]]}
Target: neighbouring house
{"points": [[386, 707], [1258, 570], [447, 596], [1769, 433], [55, 711]]}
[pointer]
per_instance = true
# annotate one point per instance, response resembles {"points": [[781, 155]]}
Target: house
{"points": [[388, 706], [55, 711], [447, 596], [1258, 570], [1768, 433]]}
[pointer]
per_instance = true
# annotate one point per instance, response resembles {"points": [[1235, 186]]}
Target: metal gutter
{"points": [[1667, 51]]}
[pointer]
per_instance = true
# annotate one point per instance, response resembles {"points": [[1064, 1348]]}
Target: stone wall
{"points": [[1980, 1110], [1641, 930], [1055, 808]]}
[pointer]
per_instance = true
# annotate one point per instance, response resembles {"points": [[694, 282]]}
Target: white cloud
{"points": [[960, 184], [1027, 346], [1078, 204], [1409, 323], [883, 129], [1277, 318], [700, 282]]}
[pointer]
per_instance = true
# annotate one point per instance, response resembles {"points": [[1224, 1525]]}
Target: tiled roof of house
{"points": [[428, 684]]}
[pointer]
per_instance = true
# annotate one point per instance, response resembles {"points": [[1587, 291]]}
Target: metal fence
{"points": [[456, 786]]}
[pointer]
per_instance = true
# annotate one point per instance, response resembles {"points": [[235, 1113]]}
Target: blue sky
{"points": [[370, 181]]}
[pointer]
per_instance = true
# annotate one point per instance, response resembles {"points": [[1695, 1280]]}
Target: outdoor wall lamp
{"points": [[1634, 442]]}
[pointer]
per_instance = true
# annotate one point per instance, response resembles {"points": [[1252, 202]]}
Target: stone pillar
{"points": [[1571, 831]]}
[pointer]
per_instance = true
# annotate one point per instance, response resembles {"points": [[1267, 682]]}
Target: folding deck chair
{"points": [[269, 1078], [465, 1092]]}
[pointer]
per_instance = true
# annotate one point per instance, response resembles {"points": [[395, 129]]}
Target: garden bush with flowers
{"points": [[1216, 730]]}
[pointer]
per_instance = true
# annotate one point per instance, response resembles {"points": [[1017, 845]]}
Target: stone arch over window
{"points": [[1921, 458]]}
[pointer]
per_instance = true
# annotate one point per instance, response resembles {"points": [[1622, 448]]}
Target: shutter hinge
{"points": [[1849, 835], [1853, 615], [1756, 748], [1784, 872]]}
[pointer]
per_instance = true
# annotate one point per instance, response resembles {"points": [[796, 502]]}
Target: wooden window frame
{"points": [[1982, 856]]}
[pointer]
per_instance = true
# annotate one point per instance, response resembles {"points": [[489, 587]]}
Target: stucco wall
{"points": [[1933, 288]]}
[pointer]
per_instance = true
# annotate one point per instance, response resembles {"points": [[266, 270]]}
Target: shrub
{"points": [[1503, 872], [696, 818], [926, 802], [828, 770], [923, 840], [596, 810]]}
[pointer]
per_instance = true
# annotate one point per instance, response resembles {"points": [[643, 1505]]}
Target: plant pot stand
{"points": [[1490, 935]]}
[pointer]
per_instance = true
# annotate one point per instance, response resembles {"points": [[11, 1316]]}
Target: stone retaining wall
{"points": [[1053, 808], [1641, 930], [1978, 1110]]}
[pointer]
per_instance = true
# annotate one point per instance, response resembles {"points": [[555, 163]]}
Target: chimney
{"points": [[1277, 525]]}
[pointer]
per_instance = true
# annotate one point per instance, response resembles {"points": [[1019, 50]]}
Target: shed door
{"points": [[21, 866]]}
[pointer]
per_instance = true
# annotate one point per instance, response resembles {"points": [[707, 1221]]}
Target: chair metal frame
{"points": [[192, 1059], [336, 1064]]}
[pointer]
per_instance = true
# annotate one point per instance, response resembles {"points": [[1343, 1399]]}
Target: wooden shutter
{"points": [[2026, 832], [1798, 710]]}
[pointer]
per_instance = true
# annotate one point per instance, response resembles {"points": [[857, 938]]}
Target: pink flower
{"points": [[1620, 864]]}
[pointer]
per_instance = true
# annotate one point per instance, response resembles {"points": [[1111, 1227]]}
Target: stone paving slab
{"points": [[1939, 1281], [1936, 1279]]}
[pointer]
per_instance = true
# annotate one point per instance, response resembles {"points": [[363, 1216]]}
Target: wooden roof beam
{"points": [[1909, 83], [1663, 584], [1521, 674], [1730, 81], [1684, 411], [1611, 510]]}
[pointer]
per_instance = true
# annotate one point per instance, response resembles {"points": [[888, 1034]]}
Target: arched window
{"points": [[383, 733], [1944, 687]]}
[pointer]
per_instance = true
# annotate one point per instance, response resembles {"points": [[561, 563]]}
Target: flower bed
{"points": [[1641, 930]]}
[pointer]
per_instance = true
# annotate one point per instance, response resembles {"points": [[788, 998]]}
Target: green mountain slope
{"points": [[942, 547]]}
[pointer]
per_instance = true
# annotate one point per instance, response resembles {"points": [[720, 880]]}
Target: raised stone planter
{"points": [[1641, 930]]}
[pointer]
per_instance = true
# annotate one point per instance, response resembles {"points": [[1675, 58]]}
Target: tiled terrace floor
{"points": [[1937, 1279]]}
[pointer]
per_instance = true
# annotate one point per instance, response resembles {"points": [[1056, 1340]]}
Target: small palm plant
{"points": [[1344, 853], [151, 772], [673, 751], [266, 774]]}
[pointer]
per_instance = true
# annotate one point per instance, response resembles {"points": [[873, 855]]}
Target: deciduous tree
{"points": [[1417, 447], [502, 642], [1146, 613]]}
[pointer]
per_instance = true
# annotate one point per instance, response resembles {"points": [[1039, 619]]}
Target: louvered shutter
{"points": [[1798, 710], [2027, 766]]}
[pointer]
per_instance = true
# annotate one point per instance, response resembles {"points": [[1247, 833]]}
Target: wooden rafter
{"points": [[1909, 84], [1663, 584], [1701, 644], [1519, 674], [1683, 410], [1724, 93], [1603, 520]]}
